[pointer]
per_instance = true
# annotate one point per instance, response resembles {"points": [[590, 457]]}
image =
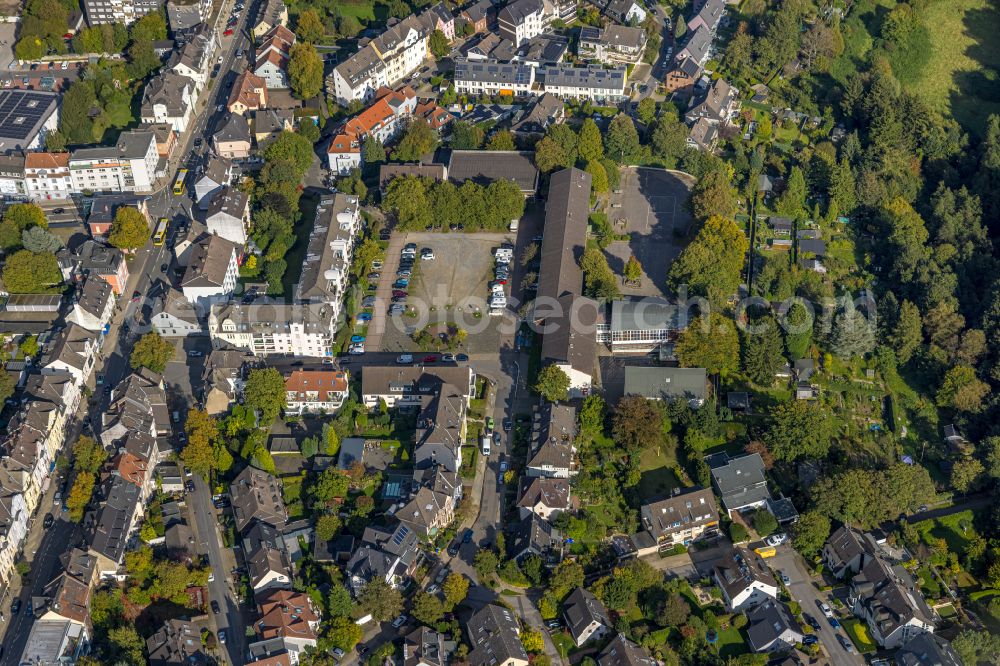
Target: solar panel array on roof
{"points": [[23, 112], [400, 535]]}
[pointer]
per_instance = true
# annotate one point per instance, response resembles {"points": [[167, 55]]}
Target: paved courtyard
{"points": [[450, 289], [651, 209]]}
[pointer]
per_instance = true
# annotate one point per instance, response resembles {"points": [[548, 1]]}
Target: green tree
{"points": [[680, 27], [764, 523], [344, 633], [309, 130], [598, 279], [552, 384], [798, 331], [673, 611], [466, 136], [25, 216], [438, 44], [792, 202], [349, 26], [427, 608], [331, 439], [799, 429], [501, 140], [380, 599], [40, 241], [532, 641], [331, 484], [200, 453], [738, 533], [29, 346], [305, 71], [55, 142], [309, 27], [709, 342], [712, 264], [669, 138], [486, 563], [621, 142], [151, 351], [265, 393], [129, 230], [589, 146], [28, 273], [966, 475], [418, 140], [598, 176], [637, 424], [327, 527], [810, 533], [977, 647], [852, 334], [550, 156], [712, 195], [127, 645], [455, 588], [29, 47], [406, 198], [646, 110], [762, 350], [962, 390], [79, 495], [75, 122], [373, 150], [88, 455], [633, 269], [292, 149]]}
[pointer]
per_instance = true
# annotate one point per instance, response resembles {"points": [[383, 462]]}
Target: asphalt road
{"points": [[807, 594]]}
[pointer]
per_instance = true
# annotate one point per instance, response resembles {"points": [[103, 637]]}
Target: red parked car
{"points": [[398, 293], [430, 359], [228, 32]]}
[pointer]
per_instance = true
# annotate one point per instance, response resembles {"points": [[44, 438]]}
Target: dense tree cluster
{"points": [[421, 203]]}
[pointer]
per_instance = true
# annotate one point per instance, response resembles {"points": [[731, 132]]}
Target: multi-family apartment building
{"points": [[169, 98], [490, 77], [194, 58], [47, 177], [315, 391], [264, 328], [118, 11], [384, 61], [521, 20], [519, 79], [212, 270], [229, 215], [681, 518], [613, 44], [326, 269], [382, 120], [591, 83], [128, 166], [12, 175]]}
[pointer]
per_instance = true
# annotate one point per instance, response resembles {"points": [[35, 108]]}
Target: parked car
{"points": [[398, 292], [467, 537], [433, 588], [338, 653], [453, 548], [365, 316], [227, 33], [811, 621], [461, 357], [376, 265], [784, 578], [810, 639], [846, 644], [507, 425], [404, 358], [448, 358], [222, 636], [368, 302], [776, 539], [48, 520], [489, 423], [834, 623], [374, 276], [190, 486], [215, 607], [15, 607], [357, 338], [823, 607], [430, 359]]}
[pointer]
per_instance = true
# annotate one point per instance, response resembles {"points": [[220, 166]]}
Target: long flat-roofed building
{"points": [[487, 166], [327, 265], [26, 117]]}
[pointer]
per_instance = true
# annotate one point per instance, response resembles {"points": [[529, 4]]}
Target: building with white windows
{"points": [[12, 174], [229, 215], [169, 98], [489, 77], [128, 166], [46, 176], [121, 12], [593, 83], [194, 58], [264, 328], [212, 270], [326, 269], [383, 120], [521, 20], [386, 60]]}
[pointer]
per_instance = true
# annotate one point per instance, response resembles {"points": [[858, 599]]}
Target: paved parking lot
{"points": [[651, 209], [451, 288]]}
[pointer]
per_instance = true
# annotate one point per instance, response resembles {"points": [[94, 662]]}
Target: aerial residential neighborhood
{"points": [[499, 333]]}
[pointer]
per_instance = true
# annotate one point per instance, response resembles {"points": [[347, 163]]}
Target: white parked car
{"points": [[776, 539]]}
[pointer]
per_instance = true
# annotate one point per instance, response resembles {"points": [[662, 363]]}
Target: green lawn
{"points": [[731, 643], [297, 254], [657, 476], [962, 75], [563, 643], [292, 491], [857, 631], [956, 529], [363, 11]]}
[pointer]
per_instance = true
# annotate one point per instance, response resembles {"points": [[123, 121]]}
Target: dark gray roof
{"points": [[566, 214], [739, 568], [816, 246], [844, 545], [783, 509], [478, 10], [545, 111], [133, 144], [491, 71], [768, 622], [532, 535], [22, 115], [623, 652], [256, 495], [552, 433], [697, 45], [94, 296], [592, 77], [486, 166], [494, 635], [691, 508], [236, 128], [111, 529], [581, 609], [927, 649], [740, 481], [663, 383], [516, 11], [425, 646]]}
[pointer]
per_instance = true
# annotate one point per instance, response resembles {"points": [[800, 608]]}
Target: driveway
{"points": [[805, 592]]}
